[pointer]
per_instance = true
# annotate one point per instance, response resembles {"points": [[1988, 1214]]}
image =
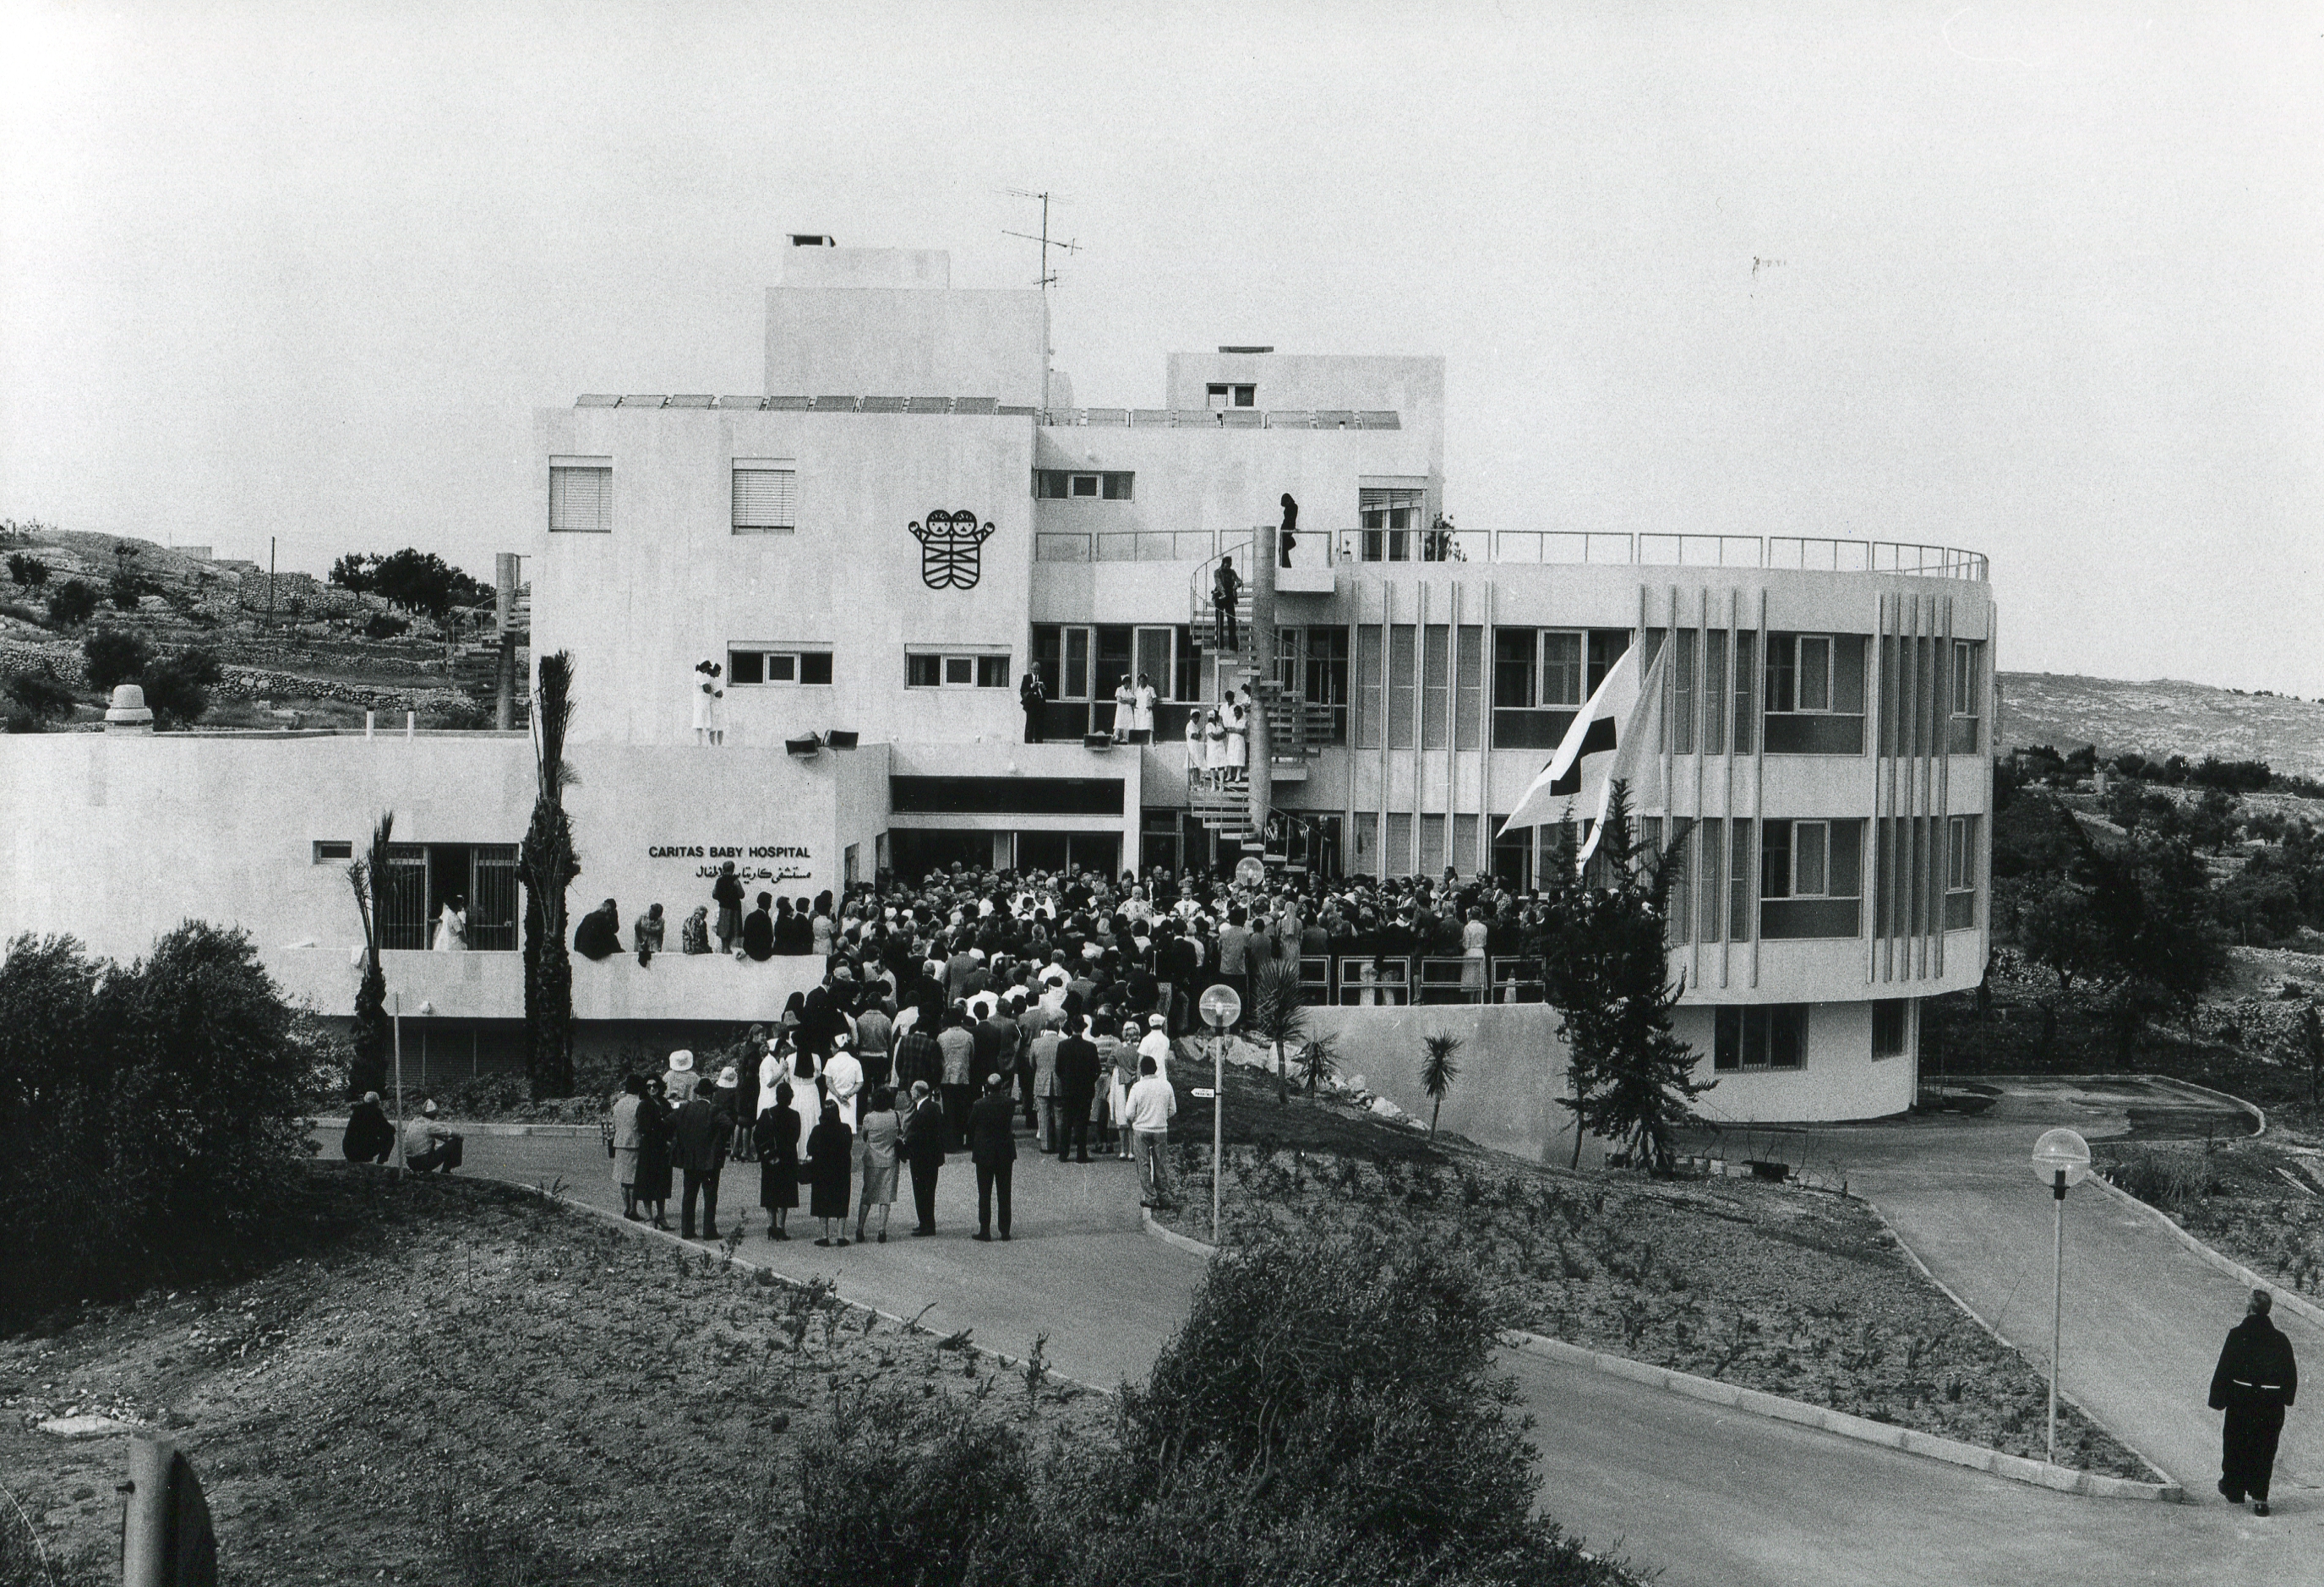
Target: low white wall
{"points": [[1512, 1069], [675, 988]]}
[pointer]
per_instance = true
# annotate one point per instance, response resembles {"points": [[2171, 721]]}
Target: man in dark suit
{"points": [[1076, 1092], [2255, 1383], [759, 929], [599, 934], [993, 1147], [705, 1134], [370, 1138], [924, 1149]]}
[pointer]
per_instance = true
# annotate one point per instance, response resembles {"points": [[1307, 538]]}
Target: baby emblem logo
{"points": [[950, 554]]}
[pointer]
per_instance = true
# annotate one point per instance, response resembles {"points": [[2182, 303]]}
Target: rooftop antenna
{"points": [[1047, 277]]}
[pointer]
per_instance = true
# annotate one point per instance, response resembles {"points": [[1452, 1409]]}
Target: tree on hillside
{"points": [[368, 876], [1610, 978], [414, 580], [115, 658], [1438, 1072], [1278, 1017], [2058, 931], [71, 603], [178, 686], [2157, 948], [35, 698], [547, 864], [30, 572], [2311, 1050]]}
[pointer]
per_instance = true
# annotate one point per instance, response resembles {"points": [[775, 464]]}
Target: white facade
{"points": [[889, 538]]}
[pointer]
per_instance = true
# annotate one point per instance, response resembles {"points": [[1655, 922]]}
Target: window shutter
{"points": [[580, 499], [765, 499]]}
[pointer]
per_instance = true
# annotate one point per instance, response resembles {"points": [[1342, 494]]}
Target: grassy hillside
{"points": [[2162, 718]]}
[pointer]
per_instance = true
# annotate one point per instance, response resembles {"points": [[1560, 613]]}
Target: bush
{"points": [[2171, 1179], [153, 1114], [115, 658], [385, 626], [29, 571], [178, 686], [73, 602], [41, 697]]}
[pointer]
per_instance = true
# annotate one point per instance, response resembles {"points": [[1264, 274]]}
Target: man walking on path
{"points": [[992, 1146], [1150, 1109], [924, 1152], [2254, 1384]]}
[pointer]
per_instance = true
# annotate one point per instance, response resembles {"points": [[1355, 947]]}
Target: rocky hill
{"points": [[2161, 717]]}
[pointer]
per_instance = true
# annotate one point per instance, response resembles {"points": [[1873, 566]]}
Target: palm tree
{"points": [[1438, 1071], [1319, 1060], [1279, 1016], [547, 864], [368, 876]]}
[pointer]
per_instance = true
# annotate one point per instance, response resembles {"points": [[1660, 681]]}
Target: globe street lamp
{"points": [[1220, 1006], [2061, 1159]]}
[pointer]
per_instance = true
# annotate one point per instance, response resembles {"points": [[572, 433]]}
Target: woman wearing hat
{"points": [[657, 1139], [830, 1162], [680, 1079], [777, 1138]]}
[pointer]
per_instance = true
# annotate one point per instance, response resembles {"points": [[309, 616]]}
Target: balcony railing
{"points": [[1561, 547]]}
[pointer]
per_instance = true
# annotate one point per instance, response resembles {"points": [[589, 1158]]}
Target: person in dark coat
{"points": [[726, 893], [1076, 1093], [1290, 527], [657, 1136], [993, 1147], [2255, 1383], [370, 1138], [830, 1166], [704, 1131], [1033, 698], [759, 929], [777, 1138], [599, 935], [923, 1152]]}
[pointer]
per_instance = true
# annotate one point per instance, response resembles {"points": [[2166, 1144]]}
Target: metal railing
{"points": [[1366, 982]]}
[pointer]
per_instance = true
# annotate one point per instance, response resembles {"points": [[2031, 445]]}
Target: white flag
{"points": [[1610, 725]]}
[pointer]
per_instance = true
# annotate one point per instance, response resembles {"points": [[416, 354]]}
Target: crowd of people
{"points": [[957, 1014]]}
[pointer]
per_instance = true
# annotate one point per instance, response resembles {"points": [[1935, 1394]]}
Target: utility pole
{"points": [[1047, 279]]}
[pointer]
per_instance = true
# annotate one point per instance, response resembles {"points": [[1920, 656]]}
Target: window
{"points": [[1537, 676], [1402, 654], [1390, 522], [1746, 696], [1892, 1026], [1961, 738], [1960, 872], [328, 849], [1714, 692], [1710, 844], [1810, 878], [580, 495], [766, 495], [1761, 1036], [1469, 688], [1232, 396], [938, 671], [1436, 690], [1814, 694], [1371, 705], [1326, 684], [423, 878], [1058, 485], [757, 666], [1682, 711]]}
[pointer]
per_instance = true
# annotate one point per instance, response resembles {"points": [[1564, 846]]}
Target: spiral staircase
{"points": [[1296, 728]]}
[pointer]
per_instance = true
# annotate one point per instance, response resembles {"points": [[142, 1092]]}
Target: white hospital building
{"points": [[911, 514]]}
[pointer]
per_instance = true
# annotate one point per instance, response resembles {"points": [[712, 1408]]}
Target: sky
{"points": [[2041, 282]]}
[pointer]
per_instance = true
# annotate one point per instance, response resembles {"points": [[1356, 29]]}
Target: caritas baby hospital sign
{"points": [[752, 862]]}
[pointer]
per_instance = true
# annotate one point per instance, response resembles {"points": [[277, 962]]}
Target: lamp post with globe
{"points": [[2061, 1159], [1220, 1006]]}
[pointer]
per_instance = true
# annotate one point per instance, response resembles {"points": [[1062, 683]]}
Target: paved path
{"points": [[1078, 1266], [2144, 1317]]}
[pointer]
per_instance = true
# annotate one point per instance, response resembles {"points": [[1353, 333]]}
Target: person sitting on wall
{"points": [[426, 1145], [759, 929], [370, 1138], [693, 931], [599, 935], [794, 928], [649, 932], [726, 893]]}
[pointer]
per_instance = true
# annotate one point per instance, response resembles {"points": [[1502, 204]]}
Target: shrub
{"points": [[115, 658], [41, 697], [73, 602], [178, 686], [383, 625], [153, 1113], [29, 571], [2172, 1180]]}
